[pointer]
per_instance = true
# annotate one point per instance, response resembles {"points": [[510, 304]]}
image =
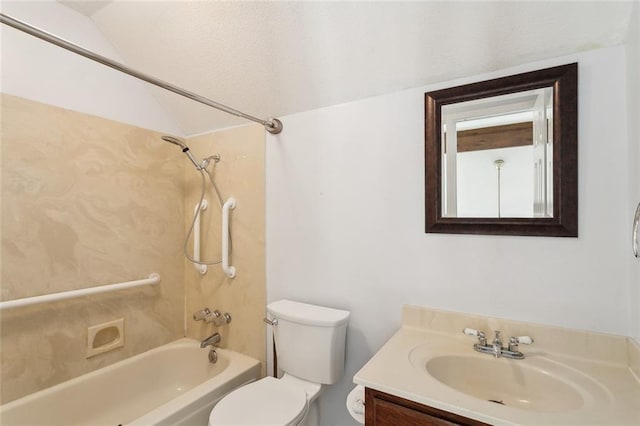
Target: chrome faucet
{"points": [[496, 348], [212, 340], [497, 345]]}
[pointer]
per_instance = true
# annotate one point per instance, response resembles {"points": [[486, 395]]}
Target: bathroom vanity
{"points": [[386, 409], [428, 373]]}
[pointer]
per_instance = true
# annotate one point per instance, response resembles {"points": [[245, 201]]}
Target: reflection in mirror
{"points": [[501, 155], [497, 156]]}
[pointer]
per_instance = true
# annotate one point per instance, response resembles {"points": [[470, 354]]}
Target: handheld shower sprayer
{"points": [[185, 149], [202, 168]]}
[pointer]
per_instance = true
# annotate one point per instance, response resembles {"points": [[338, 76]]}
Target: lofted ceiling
{"points": [[278, 58]]}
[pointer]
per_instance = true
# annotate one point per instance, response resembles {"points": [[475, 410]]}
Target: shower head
{"points": [[184, 147], [175, 141]]}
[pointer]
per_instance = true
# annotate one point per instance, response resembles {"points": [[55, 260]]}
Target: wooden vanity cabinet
{"points": [[383, 409]]}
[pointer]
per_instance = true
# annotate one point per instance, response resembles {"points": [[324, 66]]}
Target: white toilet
{"points": [[310, 343]]}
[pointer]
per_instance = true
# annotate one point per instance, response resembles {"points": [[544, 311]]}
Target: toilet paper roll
{"points": [[355, 404]]}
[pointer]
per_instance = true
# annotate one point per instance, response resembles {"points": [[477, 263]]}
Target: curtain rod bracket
{"points": [[273, 126]]}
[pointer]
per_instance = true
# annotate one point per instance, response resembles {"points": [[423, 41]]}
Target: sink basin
{"points": [[588, 379], [507, 382]]}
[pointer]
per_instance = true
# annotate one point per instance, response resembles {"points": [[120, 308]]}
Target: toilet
{"points": [[310, 346]]}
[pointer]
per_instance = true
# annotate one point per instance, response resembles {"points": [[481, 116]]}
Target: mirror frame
{"points": [[564, 222]]}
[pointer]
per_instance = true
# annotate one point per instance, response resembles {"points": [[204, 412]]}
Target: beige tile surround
{"points": [[88, 201], [85, 202], [239, 174]]}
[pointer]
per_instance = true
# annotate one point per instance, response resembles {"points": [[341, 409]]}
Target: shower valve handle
{"points": [[218, 319], [202, 314]]}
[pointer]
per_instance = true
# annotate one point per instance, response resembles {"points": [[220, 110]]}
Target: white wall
{"points": [[42, 72], [345, 223], [633, 97]]}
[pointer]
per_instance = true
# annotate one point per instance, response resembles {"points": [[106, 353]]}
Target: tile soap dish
{"points": [[105, 337]]}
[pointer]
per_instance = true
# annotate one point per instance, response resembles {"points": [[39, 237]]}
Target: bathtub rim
{"points": [[244, 370], [241, 366]]}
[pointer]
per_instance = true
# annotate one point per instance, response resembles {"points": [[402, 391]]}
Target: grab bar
{"points": [[152, 280], [634, 234], [202, 269], [230, 271]]}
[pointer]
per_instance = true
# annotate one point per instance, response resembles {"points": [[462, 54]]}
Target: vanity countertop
{"points": [[599, 371]]}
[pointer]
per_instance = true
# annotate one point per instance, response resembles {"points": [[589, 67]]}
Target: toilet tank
{"points": [[310, 340]]}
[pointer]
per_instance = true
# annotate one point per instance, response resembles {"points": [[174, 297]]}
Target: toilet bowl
{"points": [[310, 342], [288, 401]]}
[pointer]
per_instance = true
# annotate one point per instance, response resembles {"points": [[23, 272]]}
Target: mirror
{"points": [[501, 155]]}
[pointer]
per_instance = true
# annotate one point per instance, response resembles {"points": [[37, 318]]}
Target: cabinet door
{"points": [[383, 409]]}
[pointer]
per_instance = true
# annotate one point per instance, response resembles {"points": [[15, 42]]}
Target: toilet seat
{"points": [[268, 401]]}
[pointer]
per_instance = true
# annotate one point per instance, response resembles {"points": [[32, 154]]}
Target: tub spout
{"points": [[212, 340]]}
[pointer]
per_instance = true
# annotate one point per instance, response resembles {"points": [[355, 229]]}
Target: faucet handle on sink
{"points": [[525, 340], [482, 339], [514, 341]]}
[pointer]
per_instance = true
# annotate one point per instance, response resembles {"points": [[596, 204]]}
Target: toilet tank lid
{"points": [[304, 313]]}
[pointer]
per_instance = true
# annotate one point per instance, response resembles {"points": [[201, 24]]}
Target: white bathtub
{"points": [[171, 385]]}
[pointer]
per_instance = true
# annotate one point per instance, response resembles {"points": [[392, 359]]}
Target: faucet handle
{"points": [[514, 341], [202, 314], [525, 340], [482, 339], [217, 318], [472, 332]]}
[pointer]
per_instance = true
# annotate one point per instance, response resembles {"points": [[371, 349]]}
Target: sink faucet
{"points": [[212, 340], [495, 348], [497, 345]]}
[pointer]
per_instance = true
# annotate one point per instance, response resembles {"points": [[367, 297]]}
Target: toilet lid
{"points": [[268, 401]]}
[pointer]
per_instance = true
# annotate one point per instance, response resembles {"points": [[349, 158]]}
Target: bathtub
{"points": [[171, 385]]}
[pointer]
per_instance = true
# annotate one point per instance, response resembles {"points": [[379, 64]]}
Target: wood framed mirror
{"points": [[501, 156]]}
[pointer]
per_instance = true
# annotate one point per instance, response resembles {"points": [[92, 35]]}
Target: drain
{"points": [[496, 401]]}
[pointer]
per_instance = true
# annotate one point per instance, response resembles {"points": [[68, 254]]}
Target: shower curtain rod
{"points": [[272, 125]]}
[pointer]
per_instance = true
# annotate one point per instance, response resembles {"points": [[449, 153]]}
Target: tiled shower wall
{"points": [[85, 201], [239, 174], [88, 201]]}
